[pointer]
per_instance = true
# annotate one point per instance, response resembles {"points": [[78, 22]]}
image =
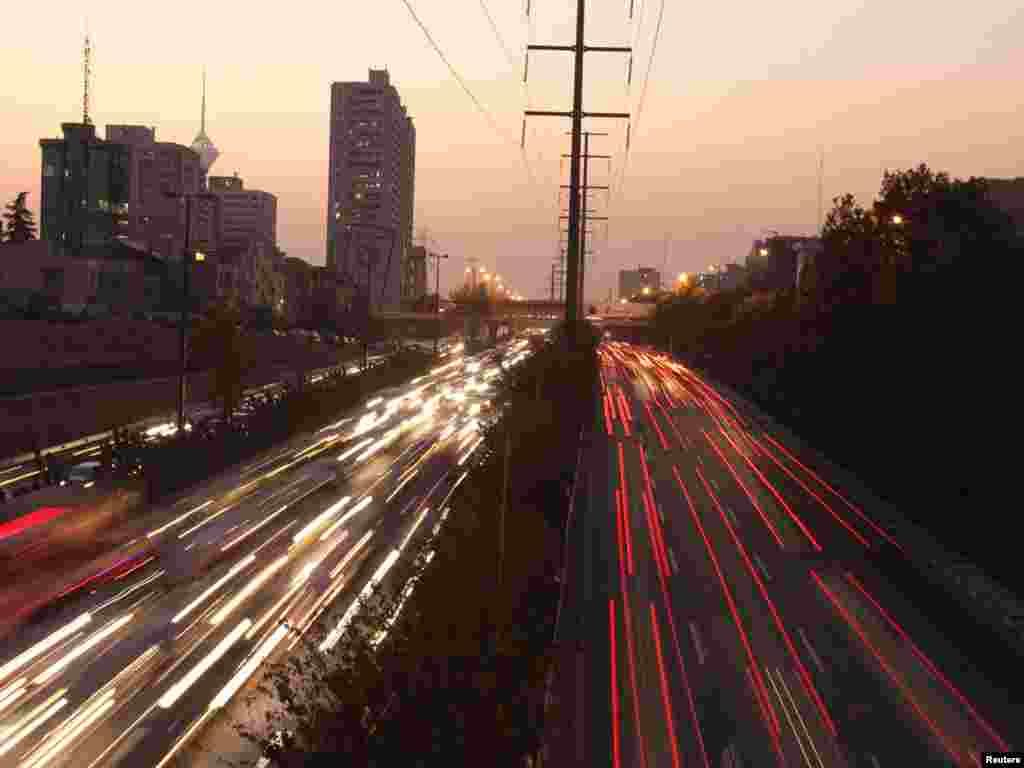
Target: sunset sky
{"points": [[740, 98]]}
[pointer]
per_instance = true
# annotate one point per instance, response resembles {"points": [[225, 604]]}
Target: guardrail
{"points": [[14, 461], [539, 756]]}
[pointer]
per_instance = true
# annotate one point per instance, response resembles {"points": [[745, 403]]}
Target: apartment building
{"points": [[370, 188]]}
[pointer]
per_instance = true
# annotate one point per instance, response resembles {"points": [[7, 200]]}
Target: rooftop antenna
{"points": [[202, 114], [86, 74]]}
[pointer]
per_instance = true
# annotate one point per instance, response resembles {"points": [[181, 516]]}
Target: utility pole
{"points": [[437, 297], [183, 320], [585, 211], [572, 298]]}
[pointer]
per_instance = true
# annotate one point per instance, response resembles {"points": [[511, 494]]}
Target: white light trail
{"points": [[178, 689], [470, 452], [12, 693], [213, 588], [23, 731], [43, 646], [71, 729], [363, 504], [402, 485], [247, 669], [419, 521], [351, 554], [208, 520], [296, 586], [179, 519], [354, 449], [255, 528], [335, 635], [248, 590], [92, 642], [320, 519]]}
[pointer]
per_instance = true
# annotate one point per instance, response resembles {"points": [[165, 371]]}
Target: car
{"points": [[83, 474]]}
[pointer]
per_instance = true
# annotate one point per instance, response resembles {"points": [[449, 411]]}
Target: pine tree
{"points": [[21, 226]]}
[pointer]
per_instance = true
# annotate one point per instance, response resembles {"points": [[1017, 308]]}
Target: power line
{"points": [[476, 102], [497, 34], [454, 73], [617, 186]]}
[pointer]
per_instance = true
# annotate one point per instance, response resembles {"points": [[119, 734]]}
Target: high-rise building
{"points": [[243, 212], [370, 188], [633, 281], [161, 172], [85, 188]]}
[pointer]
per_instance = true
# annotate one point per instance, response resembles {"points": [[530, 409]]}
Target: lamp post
{"points": [[186, 263], [369, 276], [437, 297]]}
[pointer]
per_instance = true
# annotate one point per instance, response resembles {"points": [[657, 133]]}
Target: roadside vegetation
{"points": [[459, 677], [170, 466], [877, 360]]}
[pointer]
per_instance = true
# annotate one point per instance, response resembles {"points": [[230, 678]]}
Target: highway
{"points": [[132, 672], [723, 609], [18, 472]]}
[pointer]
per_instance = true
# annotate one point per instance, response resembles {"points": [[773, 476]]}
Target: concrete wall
{"points": [[31, 344], [60, 416]]}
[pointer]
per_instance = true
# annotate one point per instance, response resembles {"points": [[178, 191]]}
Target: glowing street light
{"points": [[897, 219], [764, 251]]}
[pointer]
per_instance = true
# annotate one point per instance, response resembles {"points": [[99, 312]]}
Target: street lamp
{"points": [[897, 219], [187, 259], [369, 281], [437, 296]]}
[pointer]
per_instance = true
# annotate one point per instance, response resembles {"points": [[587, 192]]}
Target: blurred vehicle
{"points": [[84, 474]]}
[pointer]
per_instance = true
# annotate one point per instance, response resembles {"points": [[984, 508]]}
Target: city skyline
{"points": [[717, 156]]}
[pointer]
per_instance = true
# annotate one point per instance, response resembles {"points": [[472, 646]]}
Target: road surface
{"points": [[722, 607], [132, 672]]}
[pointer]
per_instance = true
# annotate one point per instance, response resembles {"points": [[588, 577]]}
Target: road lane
{"points": [[144, 664], [782, 647]]}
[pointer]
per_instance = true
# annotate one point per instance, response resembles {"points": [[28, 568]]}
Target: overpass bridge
{"points": [[498, 319]]}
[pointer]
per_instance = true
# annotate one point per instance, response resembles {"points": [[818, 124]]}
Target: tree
{"points": [[220, 344], [21, 226], [920, 226]]}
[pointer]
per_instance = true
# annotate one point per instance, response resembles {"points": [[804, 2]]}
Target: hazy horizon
{"points": [[726, 146]]}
